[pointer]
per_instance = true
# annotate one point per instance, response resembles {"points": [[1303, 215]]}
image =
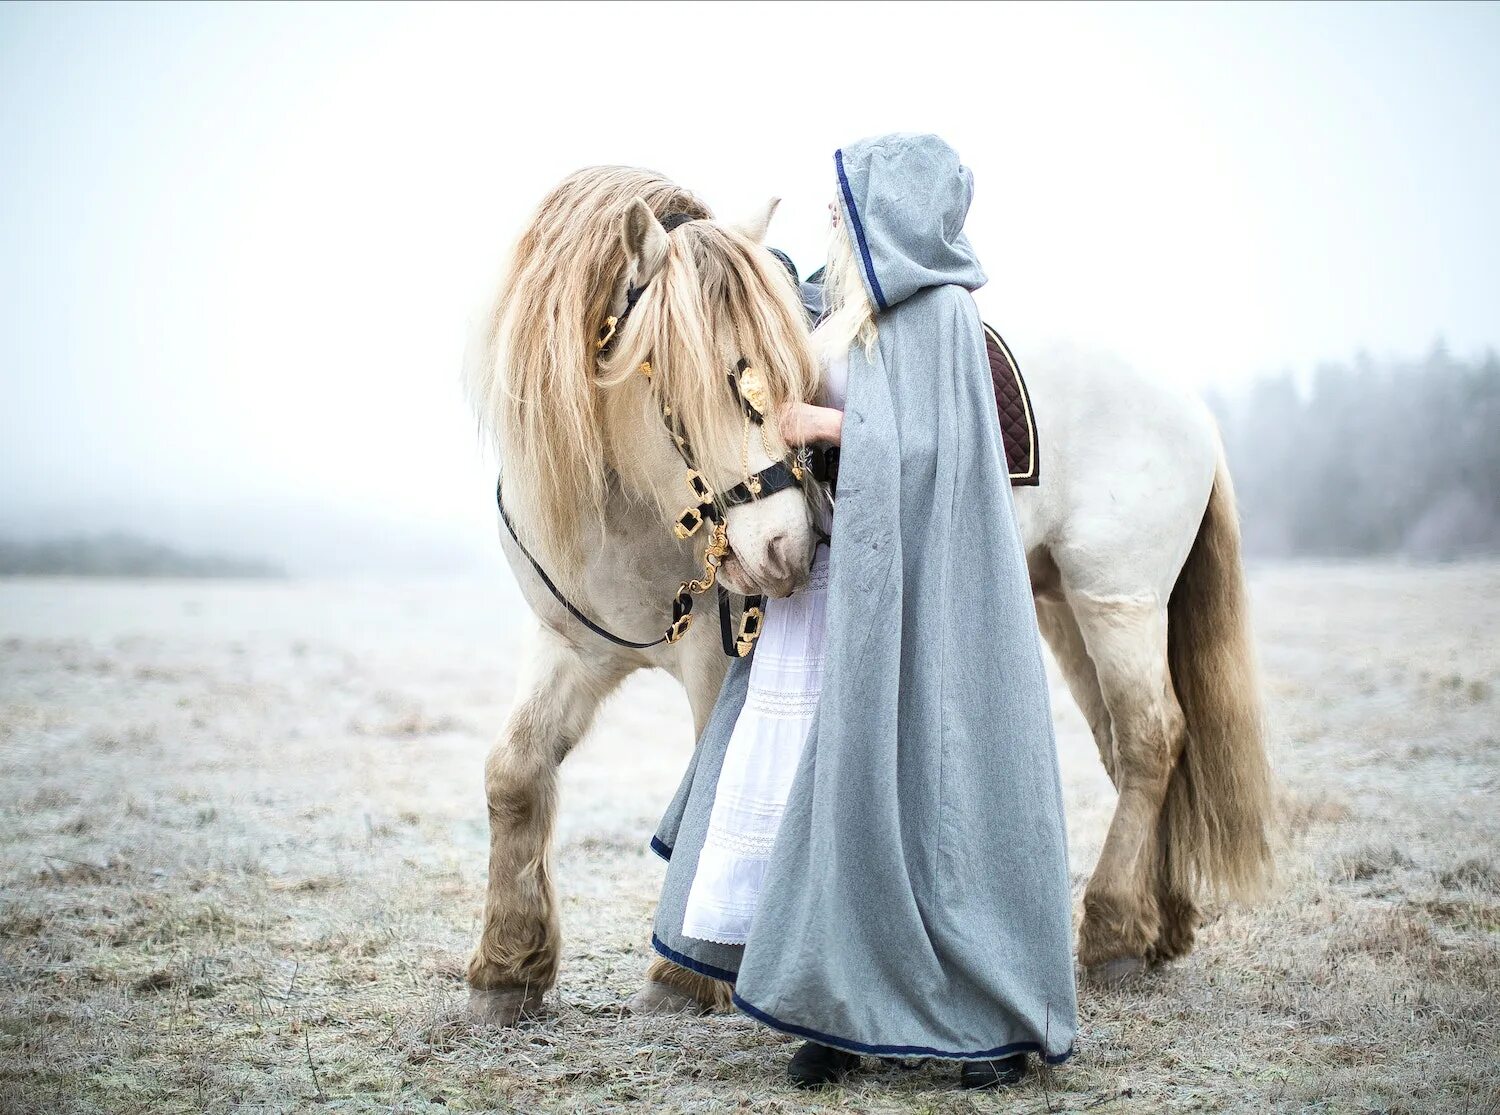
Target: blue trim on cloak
{"points": [[661, 849], [690, 964], [896, 1050], [859, 229]]}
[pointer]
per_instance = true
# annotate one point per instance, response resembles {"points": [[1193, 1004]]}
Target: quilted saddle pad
{"points": [[1017, 421]]}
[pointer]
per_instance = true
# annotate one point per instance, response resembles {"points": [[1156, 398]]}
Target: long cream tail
{"points": [[1217, 813]]}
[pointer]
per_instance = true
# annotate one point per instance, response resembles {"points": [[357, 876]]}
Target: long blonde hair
{"points": [[848, 315], [535, 379]]}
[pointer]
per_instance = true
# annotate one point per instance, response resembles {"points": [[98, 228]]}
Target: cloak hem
{"points": [[684, 961], [897, 1050], [847, 1045]]}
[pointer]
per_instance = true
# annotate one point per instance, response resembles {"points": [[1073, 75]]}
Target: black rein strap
{"points": [[726, 623], [557, 593]]}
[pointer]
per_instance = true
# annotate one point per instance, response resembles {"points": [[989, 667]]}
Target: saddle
{"points": [[1017, 420]]}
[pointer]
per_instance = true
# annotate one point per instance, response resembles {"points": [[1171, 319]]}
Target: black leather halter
{"points": [[790, 471]]}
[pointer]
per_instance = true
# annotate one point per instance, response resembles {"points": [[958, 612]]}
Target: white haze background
{"points": [[242, 244]]}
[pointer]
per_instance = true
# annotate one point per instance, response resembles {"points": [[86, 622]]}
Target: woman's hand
{"points": [[804, 424]]}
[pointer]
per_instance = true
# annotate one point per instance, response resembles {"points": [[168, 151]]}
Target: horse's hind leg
{"points": [[1060, 629], [1177, 911], [1126, 637], [519, 946]]}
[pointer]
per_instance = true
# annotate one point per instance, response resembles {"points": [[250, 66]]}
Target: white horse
{"points": [[1131, 538]]}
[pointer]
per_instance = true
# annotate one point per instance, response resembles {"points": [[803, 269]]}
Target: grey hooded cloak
{"points": [[917, 898]]}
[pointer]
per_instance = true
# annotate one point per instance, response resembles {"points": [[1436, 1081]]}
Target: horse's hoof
{"points": [[659, 998], [1114, 972], [503, 1006]]}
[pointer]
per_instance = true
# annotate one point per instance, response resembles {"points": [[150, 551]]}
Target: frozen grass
{"points": [[242, 840]]}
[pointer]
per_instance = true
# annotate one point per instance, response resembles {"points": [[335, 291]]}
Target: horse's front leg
{"points": [[519, 946]]}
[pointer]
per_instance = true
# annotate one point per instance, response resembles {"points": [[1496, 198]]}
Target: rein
{"points": [[749, 391]]}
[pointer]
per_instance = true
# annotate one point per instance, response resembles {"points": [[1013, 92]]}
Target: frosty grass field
{"points": [[243, 843]]}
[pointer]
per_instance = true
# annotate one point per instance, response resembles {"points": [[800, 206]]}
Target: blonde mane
{"points": [[536, 382], [719, 296]]}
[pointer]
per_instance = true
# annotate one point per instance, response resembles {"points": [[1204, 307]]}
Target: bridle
{"points": [[749, 391]]}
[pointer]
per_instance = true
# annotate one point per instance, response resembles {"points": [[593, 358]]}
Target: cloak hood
{"points": [[904, 198]]}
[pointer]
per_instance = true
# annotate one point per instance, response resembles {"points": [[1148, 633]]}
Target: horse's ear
{"points": [[756, 226], [645, 242]]}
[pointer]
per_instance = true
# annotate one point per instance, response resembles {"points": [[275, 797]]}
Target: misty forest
{"points": [[1375, 457]]}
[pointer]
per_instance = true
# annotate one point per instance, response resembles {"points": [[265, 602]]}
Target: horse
{"points": [[619, 347]]}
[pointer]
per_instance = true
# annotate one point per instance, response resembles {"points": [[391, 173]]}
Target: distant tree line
{"points": [[120, 555], [1369, 458]]}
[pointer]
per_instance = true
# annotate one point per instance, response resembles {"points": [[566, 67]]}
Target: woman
{"points": [[869, 843]]}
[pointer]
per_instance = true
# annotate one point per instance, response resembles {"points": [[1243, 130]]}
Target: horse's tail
{"points": [[1216, 817]]}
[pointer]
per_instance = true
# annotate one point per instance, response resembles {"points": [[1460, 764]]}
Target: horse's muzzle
{"points": [[782, 570]]}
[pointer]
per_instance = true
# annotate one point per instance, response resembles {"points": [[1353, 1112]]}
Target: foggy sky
{"points": [[242, 244]]}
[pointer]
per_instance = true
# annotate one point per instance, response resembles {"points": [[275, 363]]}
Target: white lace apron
{"points": [[786, 680]]}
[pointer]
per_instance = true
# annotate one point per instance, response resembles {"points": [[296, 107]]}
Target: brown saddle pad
{"points": [[1017, 421]]}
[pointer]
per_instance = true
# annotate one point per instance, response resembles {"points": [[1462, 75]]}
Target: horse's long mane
{"points": [[716, 288], [535, 380], [532, 377]]}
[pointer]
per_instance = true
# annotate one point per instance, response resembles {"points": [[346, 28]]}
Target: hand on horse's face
{"points": [[805, 424]]}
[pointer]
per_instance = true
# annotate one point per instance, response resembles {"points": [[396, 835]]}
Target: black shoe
{"points": [[993, 1074], [818, 1066]]}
